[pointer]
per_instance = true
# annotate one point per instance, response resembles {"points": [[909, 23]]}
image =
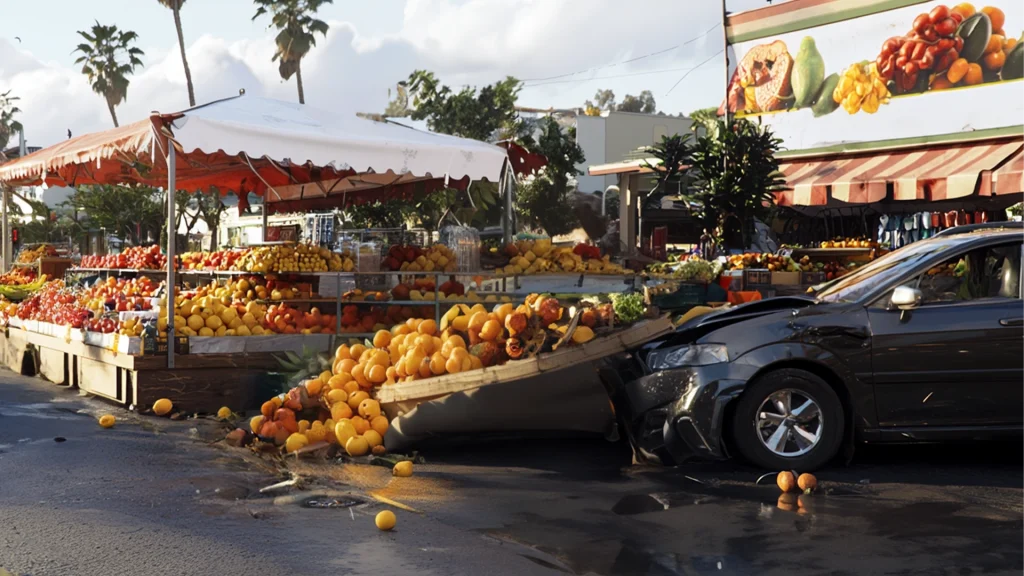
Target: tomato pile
{"points": [[135, 258], [933, 44], [120, 295], [56, 305]]}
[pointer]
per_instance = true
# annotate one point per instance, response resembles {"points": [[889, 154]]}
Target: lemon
{"points": [[162, 406], [344, 430], [357, 446], [107, 421], [403, 469], [373, 438], [224, 413], [385, 520], [295, 442]]}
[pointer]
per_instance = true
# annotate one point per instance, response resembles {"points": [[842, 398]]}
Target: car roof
{"points": [[985, 228]]}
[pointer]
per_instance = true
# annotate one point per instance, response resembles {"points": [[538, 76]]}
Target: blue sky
{"points": [[371, 46]]}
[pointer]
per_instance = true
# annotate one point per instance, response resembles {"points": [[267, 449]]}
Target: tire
{"points": [[795, 451]]}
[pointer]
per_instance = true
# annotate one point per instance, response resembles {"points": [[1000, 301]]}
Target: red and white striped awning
{"points": [[1009, 178], [934, 173]]}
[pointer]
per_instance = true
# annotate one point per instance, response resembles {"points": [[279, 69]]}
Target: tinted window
{"points": [[989, 272]]}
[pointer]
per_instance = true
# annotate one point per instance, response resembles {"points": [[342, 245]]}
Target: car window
{"points": [[855, 285], [982, 273]]}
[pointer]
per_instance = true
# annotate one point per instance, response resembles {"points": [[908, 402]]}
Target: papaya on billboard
{"points": [[900, 70]]}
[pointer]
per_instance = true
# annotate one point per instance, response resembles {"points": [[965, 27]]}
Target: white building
{"points": [[613, 135]]}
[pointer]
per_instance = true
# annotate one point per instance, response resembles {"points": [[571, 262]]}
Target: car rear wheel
{"points": [[788, 419]]}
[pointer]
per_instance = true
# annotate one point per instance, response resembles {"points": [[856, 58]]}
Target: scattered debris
{"points": [[763, 476], [238, 438], [294, 481], [390, 502], [59, 439], [320, 502]]}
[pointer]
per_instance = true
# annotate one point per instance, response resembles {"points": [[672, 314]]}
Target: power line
{"points": [[691, 70], [606, 77], [596, 68]]}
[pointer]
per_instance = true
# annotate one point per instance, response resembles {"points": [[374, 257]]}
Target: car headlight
{"points": [[687, 355]]}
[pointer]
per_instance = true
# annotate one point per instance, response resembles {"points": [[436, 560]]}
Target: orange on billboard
{"points": [[840, 73]]}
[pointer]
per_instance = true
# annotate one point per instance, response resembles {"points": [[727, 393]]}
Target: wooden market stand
{"points": [[216, 148]]}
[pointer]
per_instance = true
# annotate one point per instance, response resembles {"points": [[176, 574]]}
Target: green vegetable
{"points": [[808, 73], [696, 270], [826, 104], [628, 307], [976, 32], [1013, 68]]}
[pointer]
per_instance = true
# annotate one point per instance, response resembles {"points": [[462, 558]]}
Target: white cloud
{"points": [[474, 42]]}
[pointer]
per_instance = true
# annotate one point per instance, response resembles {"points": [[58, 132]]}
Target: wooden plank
{"points": [[197, 390], [100, 378], [80, 349], [53, 365], [593, 350]]}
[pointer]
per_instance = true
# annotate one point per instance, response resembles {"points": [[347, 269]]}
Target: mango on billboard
{"points": [[919, 72]]}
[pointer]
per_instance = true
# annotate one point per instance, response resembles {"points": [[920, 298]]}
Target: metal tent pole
{"points": [[5, 253], [171, 237]]}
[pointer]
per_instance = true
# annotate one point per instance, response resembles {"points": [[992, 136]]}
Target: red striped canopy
{"points": [[933, 173]]}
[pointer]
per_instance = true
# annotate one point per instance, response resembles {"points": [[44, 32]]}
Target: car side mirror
{"points": [[905, 298]]}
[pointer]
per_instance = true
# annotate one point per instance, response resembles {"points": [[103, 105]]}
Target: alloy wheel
{"points": [[789, 423]]}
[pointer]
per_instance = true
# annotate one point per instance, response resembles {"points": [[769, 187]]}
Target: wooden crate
{"points": [[401, 396]]}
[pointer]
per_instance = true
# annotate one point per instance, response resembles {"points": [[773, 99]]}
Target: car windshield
{"points": [[855, 285]]}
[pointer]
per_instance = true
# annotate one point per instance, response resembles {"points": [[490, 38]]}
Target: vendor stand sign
{"points": [[840, 74]]}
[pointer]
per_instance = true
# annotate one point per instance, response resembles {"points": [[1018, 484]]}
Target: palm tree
{"points": [[297, 25], [8, 125], [102, 62], [175, 5]]}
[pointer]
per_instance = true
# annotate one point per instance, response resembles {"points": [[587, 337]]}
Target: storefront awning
{"points": [[1009, 178], [933, 174]]}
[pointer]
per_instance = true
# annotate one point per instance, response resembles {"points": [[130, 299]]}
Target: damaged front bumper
{"points": [[679, 414]]}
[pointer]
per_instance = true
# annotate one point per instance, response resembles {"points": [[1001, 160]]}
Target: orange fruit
{"points": [[335, 396], [355, 398], [424, 369], [452, 343], [382, 338], [475, 362], [807, 482], [162, 406], [476, 321], [786, 481], [385, 519], [295, 442], [360, 424], [303, 425], [974, 75], [490, 330], [453, 365], [360, 377], [994, 61], [278, 402], [965, 9], [344, 430], [351, 386], [357, 446], [224, 413], [255, 423], [402, 469], [340, 410], [342, 353], [428, 327], [380, 424], [267, 409], [995, 44], [337, 382], [369, 409], [437, 364], [356, 351], [377, 375], [314, 386], [346, 366], [107, 421], [373, 438], [995, 15]]}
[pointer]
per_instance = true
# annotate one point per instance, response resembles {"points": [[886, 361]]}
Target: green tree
{"points": [[673, 154], [705, 119], [133, 213], [546, 201], [8, 125], [376, 214], [487, 115], [735, 174], [642, 104], [175, 6], [107, 59], [42, 224], [211, 208], [297, 27], [399, 106]]}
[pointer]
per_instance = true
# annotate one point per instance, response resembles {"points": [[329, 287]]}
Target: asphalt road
{"points": [[155, 497]]}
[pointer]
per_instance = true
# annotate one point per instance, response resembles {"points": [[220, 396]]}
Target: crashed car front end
{"points": [[672, 393]]}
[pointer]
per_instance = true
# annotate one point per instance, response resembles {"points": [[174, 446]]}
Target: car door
{"points": [[956, 358]]}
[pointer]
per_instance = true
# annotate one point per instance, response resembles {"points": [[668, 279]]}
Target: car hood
{"points": [[706, 323]]}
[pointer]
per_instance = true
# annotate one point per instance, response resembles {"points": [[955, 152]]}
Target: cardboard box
{"points": [[812, 278], [785, 278], [755, 277]]}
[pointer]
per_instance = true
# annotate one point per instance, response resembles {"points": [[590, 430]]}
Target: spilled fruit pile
{"points": [[338, 406]]}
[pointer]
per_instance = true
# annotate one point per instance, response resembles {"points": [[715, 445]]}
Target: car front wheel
{"points": [[788, 419]]}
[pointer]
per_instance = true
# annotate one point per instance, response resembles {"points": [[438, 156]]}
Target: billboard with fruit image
{"points": [[918, 73]]}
